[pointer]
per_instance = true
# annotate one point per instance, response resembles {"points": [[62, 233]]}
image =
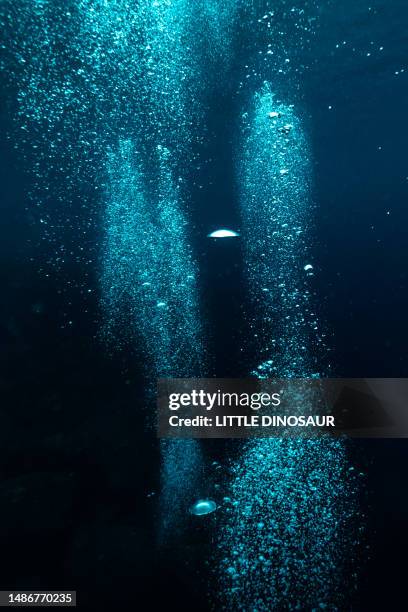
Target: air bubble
{"points": [[203, 506]]}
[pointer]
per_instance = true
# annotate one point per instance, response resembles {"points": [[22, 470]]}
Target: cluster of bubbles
{"points": [[89, 74], [292, 523], [276, 208], [181, 479], [290, 511], [149, 277], [111, 105]]}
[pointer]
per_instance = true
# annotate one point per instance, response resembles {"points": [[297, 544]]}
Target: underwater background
{"points": [[80, 501]]}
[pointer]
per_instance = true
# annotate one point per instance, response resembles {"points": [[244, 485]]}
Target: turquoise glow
{"points": [[203, 506], [125, 120], [288, 528], [223, 233]]}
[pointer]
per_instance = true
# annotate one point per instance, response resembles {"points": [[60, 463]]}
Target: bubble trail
{"points": [[276, 209], [106, 90], [149, 288], [289, 528], [149, 278], [88, 73]]}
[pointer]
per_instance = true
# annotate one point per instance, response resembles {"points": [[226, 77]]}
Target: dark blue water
{"points": [[76, 463]]}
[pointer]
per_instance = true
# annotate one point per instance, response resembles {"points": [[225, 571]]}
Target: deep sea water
{"points": [[130, 133]]}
